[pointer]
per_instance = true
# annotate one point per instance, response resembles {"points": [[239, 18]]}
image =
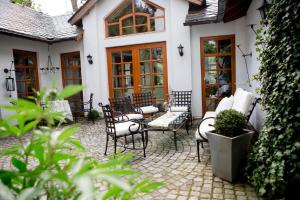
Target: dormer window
{"points": [[135, 16]]}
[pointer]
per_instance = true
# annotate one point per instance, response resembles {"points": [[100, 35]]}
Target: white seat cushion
{"points": [[225, 104], [242, 101], [179, 109], [123, 128], [149, 109], [134, 116], [205, 125]]}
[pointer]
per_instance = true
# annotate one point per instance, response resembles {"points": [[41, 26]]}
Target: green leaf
{"points": [[69, 91], [39, 153], [30, 193], [30, 126], [20, 165], [6, 193]]}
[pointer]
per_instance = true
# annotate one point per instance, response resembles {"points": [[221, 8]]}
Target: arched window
{"points": [[135, 16]]}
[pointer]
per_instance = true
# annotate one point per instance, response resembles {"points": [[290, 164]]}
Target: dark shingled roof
{"points": [[25, 22], [211, 13]]}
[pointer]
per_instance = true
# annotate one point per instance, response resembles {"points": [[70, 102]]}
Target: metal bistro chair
{"points": [[118, 129], [124, 110], [82, 107], [145, 102], [182, 102]]}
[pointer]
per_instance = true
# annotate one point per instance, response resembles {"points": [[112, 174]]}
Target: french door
{"points": [[26, 73], [139, 68], [217, 69], [71, 75]]}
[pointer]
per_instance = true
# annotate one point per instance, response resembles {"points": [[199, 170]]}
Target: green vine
{"points": [[274, 166]]}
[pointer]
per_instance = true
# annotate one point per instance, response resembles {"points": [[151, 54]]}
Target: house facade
{"points": [[134, 46]]}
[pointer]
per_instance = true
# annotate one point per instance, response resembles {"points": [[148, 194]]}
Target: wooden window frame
{"points": [[35, 69], [133, 15], [202, 61], [136, 66]]}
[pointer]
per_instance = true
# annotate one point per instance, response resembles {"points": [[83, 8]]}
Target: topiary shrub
{"points": [[93, 115], [230, 123], [274, 164]]}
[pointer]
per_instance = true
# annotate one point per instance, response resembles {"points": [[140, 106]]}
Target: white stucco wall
{"points": [[8, 43], [245, 37], [95, 43]]}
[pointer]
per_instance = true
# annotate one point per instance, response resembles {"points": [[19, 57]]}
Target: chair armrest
{"points": [[198, 129], [120, 117]]}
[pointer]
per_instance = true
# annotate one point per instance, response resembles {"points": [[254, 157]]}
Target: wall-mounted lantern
{"points": [[263, 9], [9, 81], [90, 59], [180, 50]]}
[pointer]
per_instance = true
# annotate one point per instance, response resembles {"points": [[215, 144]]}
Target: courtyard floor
{"points": [[182, 175]]}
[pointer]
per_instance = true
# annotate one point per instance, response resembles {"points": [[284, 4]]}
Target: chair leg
{"points": [[106, 145], [115, 145], [202, 145], [133, 144], [144, 147], [198, 153]]}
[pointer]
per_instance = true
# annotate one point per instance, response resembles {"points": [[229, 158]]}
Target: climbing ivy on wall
{"points": [[274, 163]]}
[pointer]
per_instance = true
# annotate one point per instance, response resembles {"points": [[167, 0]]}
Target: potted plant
{"points": [[93, 115], [229, 144]]}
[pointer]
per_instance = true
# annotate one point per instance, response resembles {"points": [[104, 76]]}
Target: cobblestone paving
{"points": [[183, 176]]}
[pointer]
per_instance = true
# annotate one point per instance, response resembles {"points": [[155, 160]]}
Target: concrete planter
{"points": [[229, 155]]}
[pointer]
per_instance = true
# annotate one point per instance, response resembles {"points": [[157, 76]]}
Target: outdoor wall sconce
{"points": [[9, 81], [90, 59], [263, 9], [180, 50]]}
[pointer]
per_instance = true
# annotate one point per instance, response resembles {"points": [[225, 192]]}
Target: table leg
{"points": [[146, 138], [187, 126], [175, 140]]}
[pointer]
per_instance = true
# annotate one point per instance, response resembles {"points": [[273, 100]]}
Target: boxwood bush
{"points": [[274, 164], [230, 123]]}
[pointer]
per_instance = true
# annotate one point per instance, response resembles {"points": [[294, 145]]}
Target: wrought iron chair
{"points": [[182, 101], [118, 129], [124, 109], [82, 107], [145, 102], [208, 121]]}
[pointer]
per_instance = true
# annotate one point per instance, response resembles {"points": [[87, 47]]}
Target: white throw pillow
{"points": [[242, 101], [225, 104]]}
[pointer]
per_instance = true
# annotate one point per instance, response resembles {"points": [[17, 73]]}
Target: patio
{"points": [[183, 176]]}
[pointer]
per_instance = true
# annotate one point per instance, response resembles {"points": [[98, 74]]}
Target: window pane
{"points": [[20, 74], [128, 81], [117, 93], [146, 89], [211, 77], [159, 93], [157, 54], [211, 104], [145, 67], [144, 54], [211, 63], [225, 76], [117, 70], [113, 30], [127, 31], [157, 24], [21, 87], [144, 7], [211, 90], [127, 69], [210, 46], [224, 46], [140, 19], [68, 73], [224, 62], [76, 73], [158, 80], [127, 22], [127, 56], [146, 80], [157, 67], [141, 29], [128, 92], [225, 90], [117, 82], [116, 57]]}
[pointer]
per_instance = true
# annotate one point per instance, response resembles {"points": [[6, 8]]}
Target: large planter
{"points": [[229, 155]]}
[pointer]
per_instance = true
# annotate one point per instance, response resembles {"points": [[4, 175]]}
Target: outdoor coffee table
{"points": [[169, 121]]}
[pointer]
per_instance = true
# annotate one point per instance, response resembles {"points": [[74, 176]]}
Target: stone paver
{"points": [[183, 176]]}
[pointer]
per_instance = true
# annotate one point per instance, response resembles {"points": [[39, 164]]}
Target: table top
{"points": [[166, 120]]}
